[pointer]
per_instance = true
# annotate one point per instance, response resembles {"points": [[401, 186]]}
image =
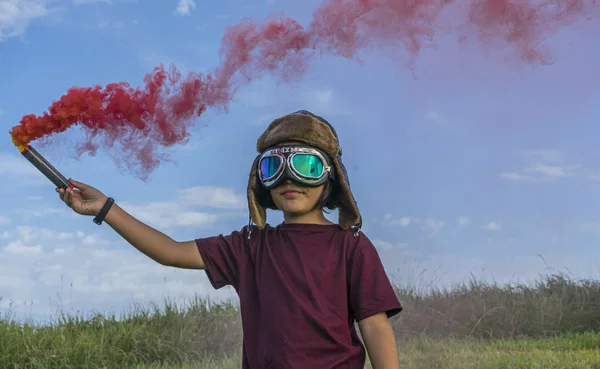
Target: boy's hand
{"points": [[83, 199]]}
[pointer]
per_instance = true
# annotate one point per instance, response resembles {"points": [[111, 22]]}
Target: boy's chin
{"points": [[295, 211]]}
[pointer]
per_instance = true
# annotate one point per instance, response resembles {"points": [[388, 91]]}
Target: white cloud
{"points": [[545, 165], [19, 248], [492, 226], [184, 7], [4, 220], [17, 165], [432, 226], [91, 273], [383, 245], [168, 215], [435, 117], [86, 2], [87, 272], [544, 155], [16, 15], [593, 175], [271, 99], [516, 176], [541, 171], [463, 221], [402, 222], [29, 233], [323, 97], [550, 170], [590, 227], [214, 197], [182, 211], [322, 100], [429, 225], [40, 212], [386, 245], [28, 240]]}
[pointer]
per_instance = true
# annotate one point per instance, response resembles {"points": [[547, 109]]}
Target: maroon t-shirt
{"points": [[301, 288]]}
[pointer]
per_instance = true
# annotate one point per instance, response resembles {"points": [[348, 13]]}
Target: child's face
{"points": [[295, 200]]}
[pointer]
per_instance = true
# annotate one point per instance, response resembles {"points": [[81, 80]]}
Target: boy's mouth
{"points": [[290, 191]]}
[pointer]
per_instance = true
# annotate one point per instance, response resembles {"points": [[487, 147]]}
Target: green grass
{"points": [[568, 352], [561, 352], [552, 324]]}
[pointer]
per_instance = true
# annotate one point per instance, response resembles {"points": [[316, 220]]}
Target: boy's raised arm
{"points": [[153, 243], [87, 200]]}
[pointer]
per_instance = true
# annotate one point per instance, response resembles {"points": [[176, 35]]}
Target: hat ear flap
{"points": [[349, 215], [258, 213]]}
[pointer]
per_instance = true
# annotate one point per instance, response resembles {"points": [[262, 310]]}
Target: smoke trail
{"points": [[525, 24], [138, 120]]}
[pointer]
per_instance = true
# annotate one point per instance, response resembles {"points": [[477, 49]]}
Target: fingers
{"points": [[67, 197], [78, 185]]}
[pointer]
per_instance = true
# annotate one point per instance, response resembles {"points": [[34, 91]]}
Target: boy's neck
{"points": [[315, 217]]}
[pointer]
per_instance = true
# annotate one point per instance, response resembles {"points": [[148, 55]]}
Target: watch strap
{"points": [[98, 219]]}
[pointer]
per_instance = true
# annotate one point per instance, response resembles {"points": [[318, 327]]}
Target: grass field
{"points": [[567, 352], [553, 324]]}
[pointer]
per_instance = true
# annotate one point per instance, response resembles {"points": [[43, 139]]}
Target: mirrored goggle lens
{"points": [[308, 165], [269, 166]]}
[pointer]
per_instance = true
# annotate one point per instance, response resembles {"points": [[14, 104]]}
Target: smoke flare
{"points": [[160, 112]]}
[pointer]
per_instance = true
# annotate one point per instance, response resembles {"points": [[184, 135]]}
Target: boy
{"points": [[303, 283]]}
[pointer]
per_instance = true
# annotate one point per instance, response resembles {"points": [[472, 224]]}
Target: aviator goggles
{"points": [[303, 164]]}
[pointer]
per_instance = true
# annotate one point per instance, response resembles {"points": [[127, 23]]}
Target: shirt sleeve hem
{"points": [[215, 282], [389, 311]]}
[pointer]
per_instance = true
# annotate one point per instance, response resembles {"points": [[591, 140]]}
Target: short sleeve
{"points": [[370, 290], [222, 256]]}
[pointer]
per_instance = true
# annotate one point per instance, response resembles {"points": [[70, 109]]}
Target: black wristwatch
{"points": [[102, 214]]}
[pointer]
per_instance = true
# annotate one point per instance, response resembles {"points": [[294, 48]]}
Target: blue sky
{"points": [[477, 165]]}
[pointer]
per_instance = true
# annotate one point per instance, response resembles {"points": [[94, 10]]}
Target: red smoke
{"points": [[160, 112]]}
